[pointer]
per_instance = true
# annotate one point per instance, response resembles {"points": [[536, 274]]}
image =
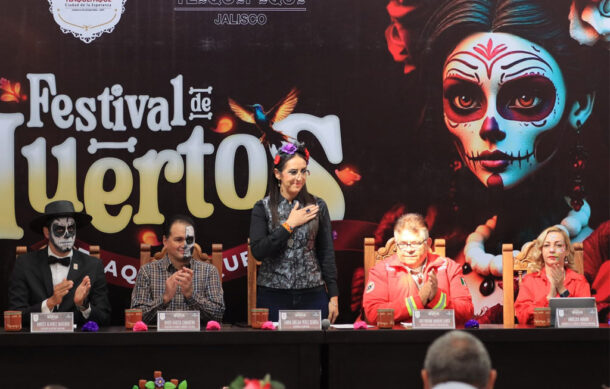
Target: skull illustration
{"points": [[501, 94], [189, 242], [63, 233]]}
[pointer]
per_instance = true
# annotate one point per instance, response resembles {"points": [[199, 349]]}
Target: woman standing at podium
{"points": [[290, 233], [551, 273]]}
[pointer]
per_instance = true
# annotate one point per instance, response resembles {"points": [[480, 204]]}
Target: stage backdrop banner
{"points": [[138, 109]]}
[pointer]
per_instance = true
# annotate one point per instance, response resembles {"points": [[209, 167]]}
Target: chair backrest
{"points": [[214, 259], [94, 250], [253, 263], [371, 256], [512, 265], [20, 250]]}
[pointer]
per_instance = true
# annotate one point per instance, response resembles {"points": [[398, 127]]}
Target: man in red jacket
{"points": [[414, 278]]}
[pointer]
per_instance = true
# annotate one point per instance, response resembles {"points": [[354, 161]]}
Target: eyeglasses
{"points": [[295, 172], [415, 245]]}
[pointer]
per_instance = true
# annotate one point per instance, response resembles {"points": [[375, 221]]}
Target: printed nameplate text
{"points": [[576, 317], [178, 321], [434, 318], [300, 320], [52, 322]]}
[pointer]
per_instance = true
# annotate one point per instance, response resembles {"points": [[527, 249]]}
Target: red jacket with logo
{"points": [[535, 287], [392, 286]]}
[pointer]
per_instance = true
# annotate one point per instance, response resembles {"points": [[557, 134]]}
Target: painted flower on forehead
{"points": [[288, 148], [397, 36], [590, 21]]}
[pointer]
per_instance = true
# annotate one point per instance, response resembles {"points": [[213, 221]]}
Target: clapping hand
{"points": [[182, 278], [429, 288], [82, 291], [556, 275], [185, 280], [171, 286], [59, 291]]}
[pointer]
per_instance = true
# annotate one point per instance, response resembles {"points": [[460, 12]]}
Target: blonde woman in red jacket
{"points": [[550, 274]]}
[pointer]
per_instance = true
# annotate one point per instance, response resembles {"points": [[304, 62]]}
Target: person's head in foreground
{"points": [[458, 360]]}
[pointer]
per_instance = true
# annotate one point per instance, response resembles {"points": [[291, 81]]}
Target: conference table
{"points": [[335, 358]]}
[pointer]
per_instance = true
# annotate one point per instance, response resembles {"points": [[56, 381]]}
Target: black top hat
{"points": [[60, 208]]}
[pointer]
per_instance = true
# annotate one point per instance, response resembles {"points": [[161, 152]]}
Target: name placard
{"points": [[434, 319], [178, 321], [52, 322], [300, 320], [576, 317]]}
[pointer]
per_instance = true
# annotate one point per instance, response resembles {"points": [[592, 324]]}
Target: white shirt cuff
{"points": [[45, 308]]}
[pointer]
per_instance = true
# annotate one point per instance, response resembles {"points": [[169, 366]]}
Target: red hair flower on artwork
{"points": [[306, 155], [276, 160], [397, 36], [590, 22]]}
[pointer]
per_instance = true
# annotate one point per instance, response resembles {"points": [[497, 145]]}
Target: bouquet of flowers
{"points": [[159, 382], [251, 383]]}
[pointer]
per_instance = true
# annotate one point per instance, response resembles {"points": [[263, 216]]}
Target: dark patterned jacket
{"points": [[302, 259]]}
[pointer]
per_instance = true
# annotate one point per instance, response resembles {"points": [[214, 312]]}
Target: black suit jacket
{"points": [[31, 283]]}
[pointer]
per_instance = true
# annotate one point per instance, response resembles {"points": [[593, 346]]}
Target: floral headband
{"points": [[290, 149]]}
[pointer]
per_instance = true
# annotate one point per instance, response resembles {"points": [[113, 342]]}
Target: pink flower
{"points": [[212, 326], [268, 325], [140, 326], [590, 21], [255, 384], [397, 36], [360, 325]]}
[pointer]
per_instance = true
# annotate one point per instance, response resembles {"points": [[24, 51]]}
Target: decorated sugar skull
{"points": [[63, 233], [501, 95], [189, 242]]}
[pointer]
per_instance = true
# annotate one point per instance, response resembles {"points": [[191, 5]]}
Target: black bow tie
{"points": [[64, 261]]}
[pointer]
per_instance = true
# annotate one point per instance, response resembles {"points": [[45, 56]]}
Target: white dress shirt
{"points": [[59, 273]]}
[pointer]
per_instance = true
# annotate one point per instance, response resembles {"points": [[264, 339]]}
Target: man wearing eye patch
{"points": [[59, 278], [178, 282], [414, 278]]}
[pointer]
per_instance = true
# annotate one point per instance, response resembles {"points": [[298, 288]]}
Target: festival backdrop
{"points": [[122, 107]]}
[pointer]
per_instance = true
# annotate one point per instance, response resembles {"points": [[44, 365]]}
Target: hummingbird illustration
{"points": [[264, 120]]}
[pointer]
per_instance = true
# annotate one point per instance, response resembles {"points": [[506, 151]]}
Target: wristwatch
{"points": [[565, 294]]}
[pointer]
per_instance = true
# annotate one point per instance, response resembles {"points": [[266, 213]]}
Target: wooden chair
{"points": [[253, 264], [371, 256], [94, 251], [20, 250], [214, 259], [512, 265]]}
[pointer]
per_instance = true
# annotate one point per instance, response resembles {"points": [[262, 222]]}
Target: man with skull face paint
{"points": [[178, 282], [59, 278]]}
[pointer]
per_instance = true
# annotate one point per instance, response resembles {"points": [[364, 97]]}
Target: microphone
{"points": [[325, 324]]}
